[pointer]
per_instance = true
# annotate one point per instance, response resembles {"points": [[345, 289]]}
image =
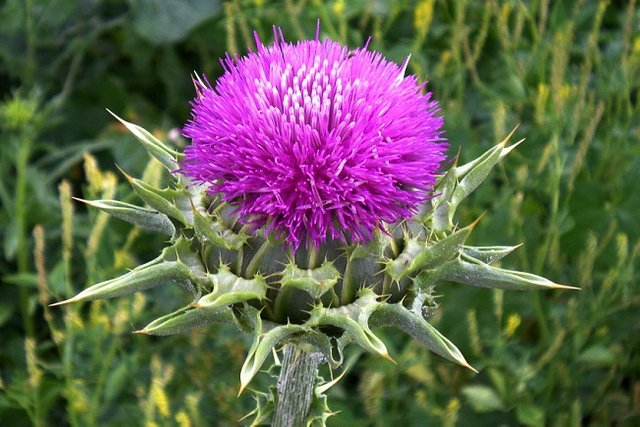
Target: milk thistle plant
{"points": [[309, 209]]}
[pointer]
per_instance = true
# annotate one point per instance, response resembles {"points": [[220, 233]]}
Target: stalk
{"points": [[296, 386], [24, 151]]}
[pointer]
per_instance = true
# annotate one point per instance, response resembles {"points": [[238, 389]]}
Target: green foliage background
{"points": [[567, 72]]}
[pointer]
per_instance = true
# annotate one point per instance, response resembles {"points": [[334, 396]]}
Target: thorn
{"points": [[566, 287], [508, 149], [456, 159], [508, 137], [324, 387], [466, 365], [127, 176], [389, 358], [78, 199], [474, 223], [65, 302], [114, 115], [248, 415], [242, 387]]}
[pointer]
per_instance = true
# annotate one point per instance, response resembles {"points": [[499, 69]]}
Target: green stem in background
{"points": [[34, 382], [105, 369], [552, 231], [31, 63], [540, 315], [67, 361], [67, 210], [24, 152], [296, 385]]}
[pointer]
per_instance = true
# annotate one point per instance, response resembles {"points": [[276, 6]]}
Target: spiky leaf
{"points": [[418, 256], [472, 174], [487, 254], [487, 276], [230, 289], [211, 229], [396, 315], [262, 345], [441, 220], [314, 281], [353, 319], [188, 318], [142, 278], [158, 149], [148, 219], [177, 264], [167, 201]]}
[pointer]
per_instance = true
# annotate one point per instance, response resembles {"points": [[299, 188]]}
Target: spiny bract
{"points": [[330, 293]]}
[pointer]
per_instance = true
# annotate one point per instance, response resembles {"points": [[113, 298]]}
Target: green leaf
{"points": [[487, 276], [10, 242], [158, 149], [230, 289], [188, 318], [322, 343], [416, 256], [142, 278], [470, 176], [116, 381], [353, 319], [316, 282], [478, 167], [262, 345], [181, 251], [599, 355], [530, 415], [498, 380], [440, 218], [397, 316], [162, 200], [177, 264], [211, 229], [373, 248], [27, 280], [145, 218], [162, 22], [483, 398], [6, 310], [487, 254]]}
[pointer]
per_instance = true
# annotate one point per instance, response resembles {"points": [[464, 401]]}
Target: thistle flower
{"points": [[332, 148], [314, 141]]}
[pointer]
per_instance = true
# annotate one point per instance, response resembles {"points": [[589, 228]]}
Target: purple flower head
{"points": [[311, 140]]}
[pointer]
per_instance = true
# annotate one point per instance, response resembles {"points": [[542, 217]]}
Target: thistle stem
{"points": [[296, 386]]}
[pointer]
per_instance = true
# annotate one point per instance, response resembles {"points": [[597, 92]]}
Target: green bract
{"points": [[323, 298]]}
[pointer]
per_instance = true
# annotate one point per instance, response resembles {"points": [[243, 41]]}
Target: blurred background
{"points": [[566, 72]]}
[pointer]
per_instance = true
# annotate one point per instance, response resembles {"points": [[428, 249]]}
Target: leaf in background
{"points": [[530, 415], [6, 310], [482, 398], [161, 22], [599, 355]]}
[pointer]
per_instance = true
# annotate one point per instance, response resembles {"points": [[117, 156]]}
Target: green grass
{"points": [[568, 73]]}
